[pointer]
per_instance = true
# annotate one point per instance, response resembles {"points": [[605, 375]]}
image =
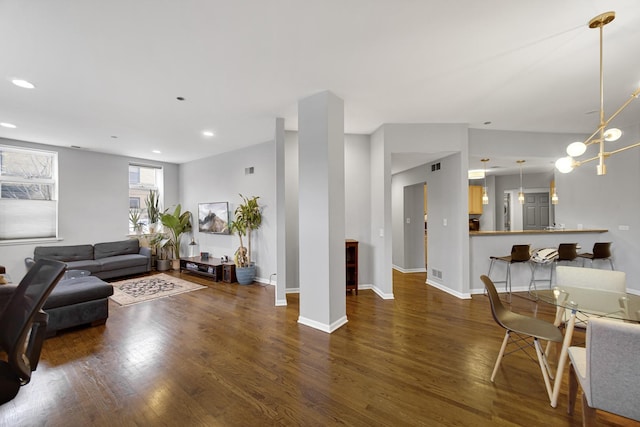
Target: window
{"points": [[143, 179], [134, 202], [28, 193]]}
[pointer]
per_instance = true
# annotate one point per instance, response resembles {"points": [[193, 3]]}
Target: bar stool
{"points": [[519, 254], [601, 250], [539, 258], [567, 252]]}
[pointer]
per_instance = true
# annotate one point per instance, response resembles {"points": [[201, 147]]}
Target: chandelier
{"points": [[601, 135]]}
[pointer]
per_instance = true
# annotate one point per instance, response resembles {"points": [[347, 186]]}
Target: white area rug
{"points": [[133, 291]]}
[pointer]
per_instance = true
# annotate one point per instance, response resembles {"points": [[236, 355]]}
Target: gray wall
{"points": [[407, 198], [357, 162], [357, 150], [222, 178], [93, 202], [610, 201]]}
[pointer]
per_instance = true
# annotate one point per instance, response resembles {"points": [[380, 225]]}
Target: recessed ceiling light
{"points": [[23, 83], [208, 133], [156, 151], [8, 125]]}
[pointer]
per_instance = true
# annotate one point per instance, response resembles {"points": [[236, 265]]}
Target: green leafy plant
{"points": [[247, 217], [153, 206], [175, 225], [134, 218]]}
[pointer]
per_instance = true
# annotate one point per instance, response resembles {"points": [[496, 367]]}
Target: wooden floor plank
{"points": [[225, 355]]}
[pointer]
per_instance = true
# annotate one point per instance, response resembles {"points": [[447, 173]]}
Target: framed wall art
{"points": [[213, 217]]}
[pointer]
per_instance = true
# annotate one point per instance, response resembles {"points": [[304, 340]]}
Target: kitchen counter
{"points": [[483, 244], [511, 233]]}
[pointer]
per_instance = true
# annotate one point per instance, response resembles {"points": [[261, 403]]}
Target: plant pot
{"points": [[245, 275], [163, 265]]}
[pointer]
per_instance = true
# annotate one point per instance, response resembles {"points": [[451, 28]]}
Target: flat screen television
{"points": [[213, 217]]}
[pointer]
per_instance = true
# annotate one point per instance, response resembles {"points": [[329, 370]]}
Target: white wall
{"points": [[610, 201], [93, 203], [222, 178]]}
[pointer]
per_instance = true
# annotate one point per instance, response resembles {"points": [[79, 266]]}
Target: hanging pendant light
{"points": [[485, 196], [521, 192], [554, 193], [602, 134]]}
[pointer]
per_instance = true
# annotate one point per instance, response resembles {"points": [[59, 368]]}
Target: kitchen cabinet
{"points": [[475, 200]]}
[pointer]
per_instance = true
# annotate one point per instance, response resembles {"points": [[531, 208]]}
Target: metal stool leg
{"points": [[508, 283]]}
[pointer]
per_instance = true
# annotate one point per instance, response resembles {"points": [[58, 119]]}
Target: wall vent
{"points": [[435, 167], [436, 273]]}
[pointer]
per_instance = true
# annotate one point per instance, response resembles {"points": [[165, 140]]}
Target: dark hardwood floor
{"points": [[225, 356]]}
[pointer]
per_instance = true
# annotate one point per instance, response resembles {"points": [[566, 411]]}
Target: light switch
{"points": [[444, 222]]}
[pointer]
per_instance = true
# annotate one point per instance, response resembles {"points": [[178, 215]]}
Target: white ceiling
{"points": [[114, 68]]}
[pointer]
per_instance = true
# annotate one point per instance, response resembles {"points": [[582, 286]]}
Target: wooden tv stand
{"points": [[210, 267]]}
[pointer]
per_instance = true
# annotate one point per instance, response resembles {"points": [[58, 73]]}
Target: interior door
{"points": [[535, 211]]}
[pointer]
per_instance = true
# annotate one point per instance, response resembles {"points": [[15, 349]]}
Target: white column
{"points": [[321, 209], [281, 251]]}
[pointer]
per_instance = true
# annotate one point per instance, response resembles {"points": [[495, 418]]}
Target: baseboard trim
{"points": [[328, 328], [409, 270], [449, 291]]}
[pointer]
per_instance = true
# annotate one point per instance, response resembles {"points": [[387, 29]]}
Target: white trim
{"points": [[409, 270], [382, 294], [449, 291], [323, 326]]}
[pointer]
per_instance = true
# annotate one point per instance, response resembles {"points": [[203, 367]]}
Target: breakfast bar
{"points": [[484, 244]]}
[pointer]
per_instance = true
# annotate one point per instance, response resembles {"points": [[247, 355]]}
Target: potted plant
{"points": [[247, 217], [160, 247], [175, 224], [134, 219], [153, 210]]}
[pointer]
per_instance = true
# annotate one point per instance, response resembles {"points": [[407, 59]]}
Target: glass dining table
{"points": [[571, 301]]}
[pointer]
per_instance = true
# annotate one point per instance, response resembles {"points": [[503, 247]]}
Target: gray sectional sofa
{"points": [[103, 260], [80, 299]]}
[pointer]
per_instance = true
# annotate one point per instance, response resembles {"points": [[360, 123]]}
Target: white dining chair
{"points": [[579, 277], [607, 370]]}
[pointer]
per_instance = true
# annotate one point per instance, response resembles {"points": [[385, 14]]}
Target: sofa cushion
{"points": [[119, 262], [123, 247], [64, 253], [76, 290], [86, 264]]}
